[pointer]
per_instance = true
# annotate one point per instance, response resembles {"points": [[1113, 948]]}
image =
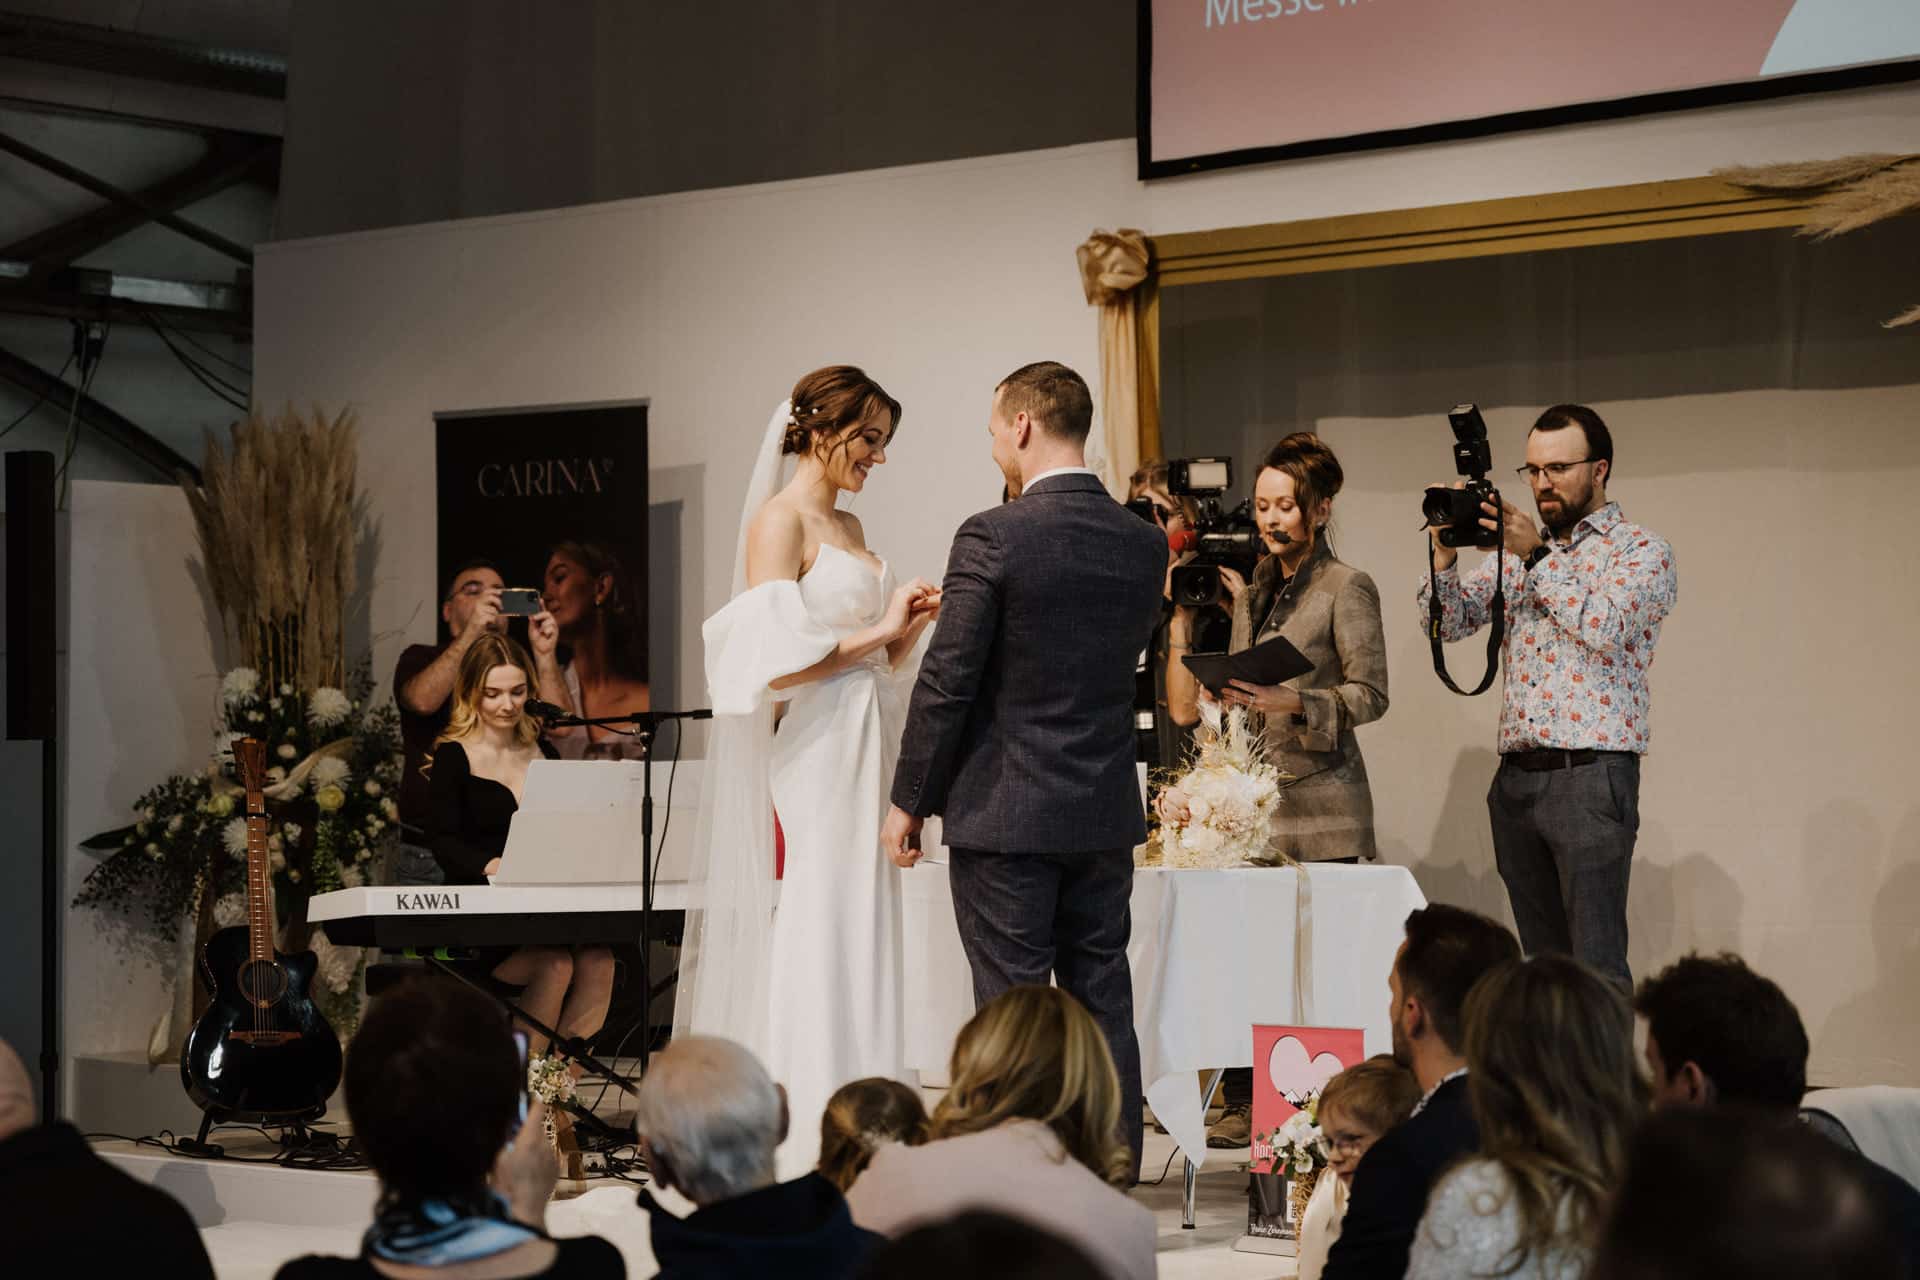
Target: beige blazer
{"points": [[1330, 611]]}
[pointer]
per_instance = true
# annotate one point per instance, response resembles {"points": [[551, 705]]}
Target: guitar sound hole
{"points": [[262, 982]]}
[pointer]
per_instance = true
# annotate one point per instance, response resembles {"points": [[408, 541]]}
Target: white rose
{"points": [[286, 751], [230, 910], [286, 688], [329, 799], [175, 823], [390, 811], [351, 877], [291, 831], [372, 788]]}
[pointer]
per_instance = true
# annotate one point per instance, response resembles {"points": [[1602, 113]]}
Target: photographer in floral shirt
{"points": [[1585, 600]]}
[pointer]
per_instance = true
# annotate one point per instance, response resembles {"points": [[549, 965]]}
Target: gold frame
{"points": [[1480, 228]]}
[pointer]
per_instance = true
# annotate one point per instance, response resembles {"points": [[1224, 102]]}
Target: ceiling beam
{"points": [[227, 163], [127, 199], [108, 423], [129, 53]]}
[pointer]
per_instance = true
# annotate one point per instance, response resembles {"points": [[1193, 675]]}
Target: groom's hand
{"points": [[896, 837]]}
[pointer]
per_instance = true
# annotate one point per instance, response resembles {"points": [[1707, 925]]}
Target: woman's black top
{"points": [[469, 816], [579, 1258]]}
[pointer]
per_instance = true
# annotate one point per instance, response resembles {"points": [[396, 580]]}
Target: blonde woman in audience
{"points": [[1556, 1095], [861, 1118], [1030, 1128], [1357, 1108]]}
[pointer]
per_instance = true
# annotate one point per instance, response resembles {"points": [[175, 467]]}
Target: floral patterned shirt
{"points": [[1581, 628]]}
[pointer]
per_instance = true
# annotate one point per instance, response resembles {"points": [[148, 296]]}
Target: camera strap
{"points": [[1498, 621]]}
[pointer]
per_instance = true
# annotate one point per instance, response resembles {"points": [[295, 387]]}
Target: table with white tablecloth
{"points": [[1212, 954]]}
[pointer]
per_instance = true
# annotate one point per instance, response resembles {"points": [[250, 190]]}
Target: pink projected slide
{"points": [[1230, 75]]}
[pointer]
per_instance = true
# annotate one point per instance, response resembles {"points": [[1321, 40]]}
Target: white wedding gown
{"points": [[833, 1008]]}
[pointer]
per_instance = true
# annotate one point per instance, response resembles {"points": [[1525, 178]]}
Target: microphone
{"points": [[1280, 536], [545, 710]]}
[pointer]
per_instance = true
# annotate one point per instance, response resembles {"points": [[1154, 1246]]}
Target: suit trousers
{"points": [[1031, 917], [1563, 840]]}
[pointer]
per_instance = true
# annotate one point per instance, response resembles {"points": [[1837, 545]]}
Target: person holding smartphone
{"points": [[423, 687]]}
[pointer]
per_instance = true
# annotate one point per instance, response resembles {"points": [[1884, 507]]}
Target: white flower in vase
{"points": [[327, 708], [238, 685], [329, 771]]}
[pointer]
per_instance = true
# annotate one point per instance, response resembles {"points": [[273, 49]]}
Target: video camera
{"points": [[1456, 512], [1219, 539]]}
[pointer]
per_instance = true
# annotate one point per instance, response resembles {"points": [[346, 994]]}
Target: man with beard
{"points": [[1447, 950], [1586, 598]]}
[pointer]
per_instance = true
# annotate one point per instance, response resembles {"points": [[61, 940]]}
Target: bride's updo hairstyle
{"points": [[828, 401]]}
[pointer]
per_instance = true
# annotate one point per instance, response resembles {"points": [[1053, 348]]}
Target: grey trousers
{"points": [[1031, 917], [1563, 840]]}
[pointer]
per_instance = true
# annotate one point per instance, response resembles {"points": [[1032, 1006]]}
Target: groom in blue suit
{"points": [[1021, 730]]}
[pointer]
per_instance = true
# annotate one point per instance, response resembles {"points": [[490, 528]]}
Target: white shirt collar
{"points": [[1445, 1080], [1058, 471]]}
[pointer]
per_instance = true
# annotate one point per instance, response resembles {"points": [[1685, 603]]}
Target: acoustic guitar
{"points": [[261, 1053]]}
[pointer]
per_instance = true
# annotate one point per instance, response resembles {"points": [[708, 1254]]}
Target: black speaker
{"points": [[30, 594]]}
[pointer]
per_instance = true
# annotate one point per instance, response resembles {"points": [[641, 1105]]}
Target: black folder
{"points": [[1273, 661]]}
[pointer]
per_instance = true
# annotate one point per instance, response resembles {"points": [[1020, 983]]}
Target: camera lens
{"points": [[1437, 506]]}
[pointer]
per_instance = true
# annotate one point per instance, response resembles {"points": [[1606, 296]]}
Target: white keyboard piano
{"points": [[396, 917]]}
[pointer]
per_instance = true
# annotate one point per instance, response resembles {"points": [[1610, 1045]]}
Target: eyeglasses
{"points": [[1555, 471], [1347, 1144]]}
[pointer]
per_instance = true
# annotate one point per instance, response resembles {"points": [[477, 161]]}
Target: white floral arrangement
{"points": [[1231, 790], [1297, 1148], [549, 1080]]}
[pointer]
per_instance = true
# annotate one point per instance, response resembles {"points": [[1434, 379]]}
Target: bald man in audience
{"points": [[68, 1212]]}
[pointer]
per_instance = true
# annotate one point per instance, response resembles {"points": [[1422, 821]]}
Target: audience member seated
{"points": [[434, 1085], [1556, 1097], [861, 1118], [68, 1212], [709, 1119], [1357, 1107], [1030, 1127], [1719, 1194], [978, 1244], [1719, 1034], [1446, 951]]}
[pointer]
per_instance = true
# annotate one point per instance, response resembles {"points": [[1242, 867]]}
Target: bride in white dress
{"points": [[819, 628]]}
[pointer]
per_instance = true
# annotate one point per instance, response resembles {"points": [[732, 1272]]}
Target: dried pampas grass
{"points": [[1843, 195], [276, 515]]}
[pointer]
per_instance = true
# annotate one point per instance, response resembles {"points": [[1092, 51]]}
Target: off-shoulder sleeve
{"points": [[763, 634]]}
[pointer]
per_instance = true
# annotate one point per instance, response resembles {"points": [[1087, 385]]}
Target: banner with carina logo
{"points": [[557, 498]]}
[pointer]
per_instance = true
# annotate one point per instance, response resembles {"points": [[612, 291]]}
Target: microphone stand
{"points": [[641, 725]]}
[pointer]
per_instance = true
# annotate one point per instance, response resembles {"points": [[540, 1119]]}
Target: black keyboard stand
{"points": [[572, 1048]]}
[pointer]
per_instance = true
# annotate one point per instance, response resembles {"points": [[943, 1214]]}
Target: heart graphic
{"points": [[1292, 1071]]}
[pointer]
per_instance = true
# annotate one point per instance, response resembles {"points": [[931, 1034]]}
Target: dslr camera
{"points": [[1454, 512], [1220, 539]]}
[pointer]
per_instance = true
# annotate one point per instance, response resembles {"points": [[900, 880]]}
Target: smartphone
{"points": [[520, 1044], [520, 601]]}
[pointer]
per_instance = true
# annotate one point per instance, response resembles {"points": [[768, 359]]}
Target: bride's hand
{"points": [[899, 614], [1171, 805], [927, 607]]}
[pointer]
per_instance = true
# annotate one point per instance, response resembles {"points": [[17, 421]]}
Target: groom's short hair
{"points": [[1052, 395]]}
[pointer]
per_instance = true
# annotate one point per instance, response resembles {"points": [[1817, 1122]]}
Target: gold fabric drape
{"points": [[1116, 273]]}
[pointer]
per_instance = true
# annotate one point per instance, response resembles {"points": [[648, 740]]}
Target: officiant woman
{"points": [[1330, 611]]}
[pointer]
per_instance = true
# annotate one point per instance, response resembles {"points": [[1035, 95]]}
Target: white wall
{"points": [[142, 693], [939, 279]]}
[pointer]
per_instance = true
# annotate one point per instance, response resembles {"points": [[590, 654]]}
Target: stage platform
{"points": [[254, 1217]]}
